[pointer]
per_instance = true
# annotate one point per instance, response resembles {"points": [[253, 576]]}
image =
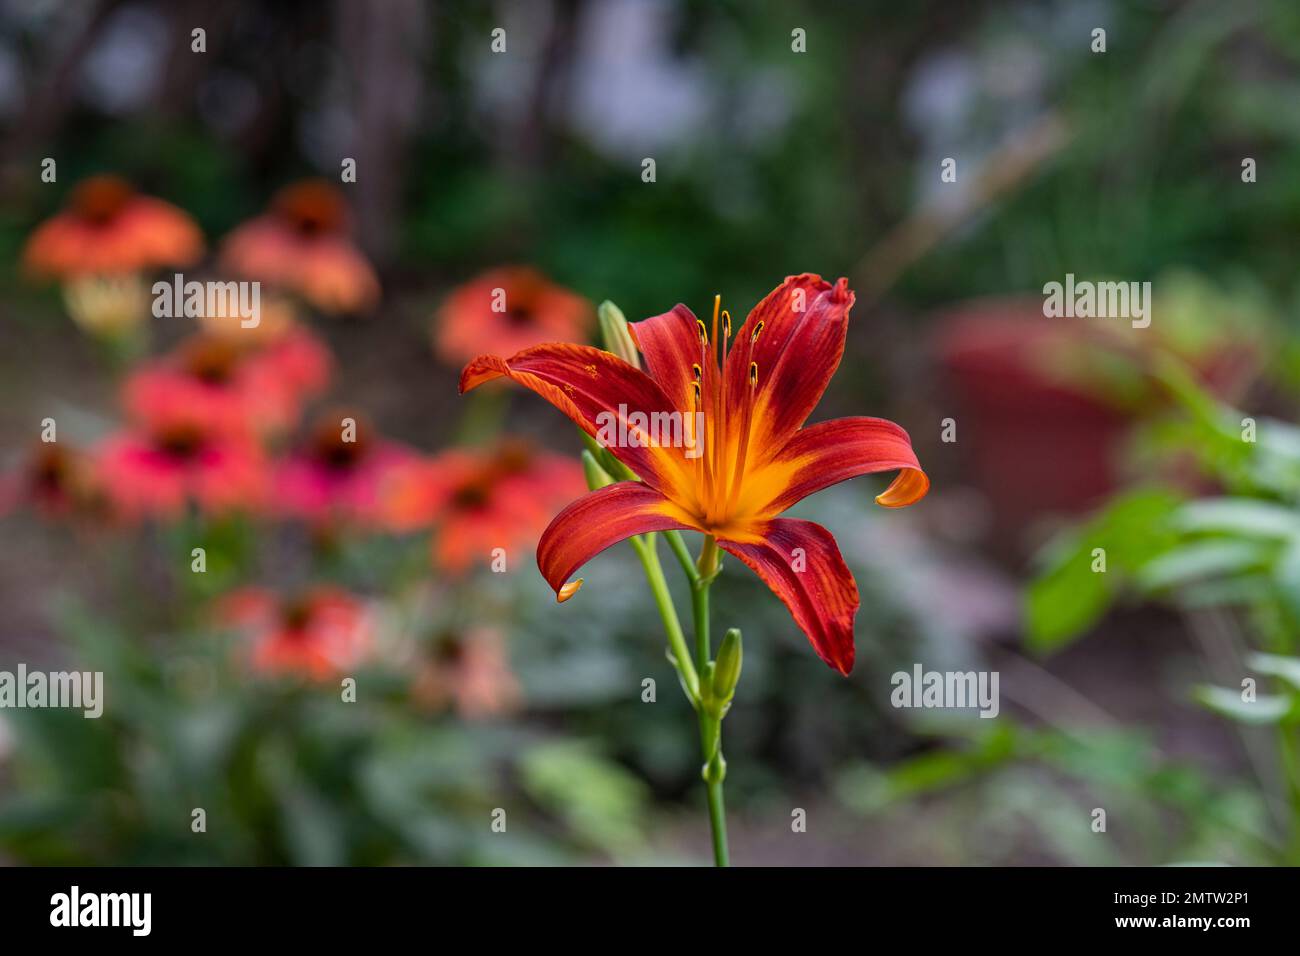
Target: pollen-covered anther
{"points": [[699, 372], [753, 373], [703, 330], [726, 323], [568, 590], [758, 330]]}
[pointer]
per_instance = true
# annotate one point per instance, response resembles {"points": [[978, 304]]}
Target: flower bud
{"points": [[615, 334], [726, 669], [597, 477]]}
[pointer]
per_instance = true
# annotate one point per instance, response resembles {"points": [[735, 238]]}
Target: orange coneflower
{"points": [[479, 500], [56, 480], [99, 246], [317, 635], [302, 245], [505, 310], [757, 457], [109, 229]]}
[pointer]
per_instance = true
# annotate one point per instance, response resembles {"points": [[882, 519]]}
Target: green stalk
{"points": [[654, 572], [696, 677]]}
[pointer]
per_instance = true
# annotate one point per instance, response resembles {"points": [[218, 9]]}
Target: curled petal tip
{"points": [[840, 292], [568, 591], [908, 488]]}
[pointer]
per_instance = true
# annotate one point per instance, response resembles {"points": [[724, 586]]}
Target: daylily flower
{"points": [[109, 229], [233, 385], [509, 309], [469, 671], [333, 479], [302, 245], [172, 456], [757, 458], [478, 500], [317, 635]]}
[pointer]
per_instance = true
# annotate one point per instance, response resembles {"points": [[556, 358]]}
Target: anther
{"points": [[699, 372], [726, 323], [704, 332], [757, 330], [753, 373]]}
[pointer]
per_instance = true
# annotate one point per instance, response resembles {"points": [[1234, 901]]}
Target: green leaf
{"points": [[1265, 709], [1246, 517], [1200, 560], [1276, 665], [1068, 597]]}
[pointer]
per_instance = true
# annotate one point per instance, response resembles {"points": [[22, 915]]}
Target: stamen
{"points": [[758, 330], [704, 332], [699, 372], [742, 451]]}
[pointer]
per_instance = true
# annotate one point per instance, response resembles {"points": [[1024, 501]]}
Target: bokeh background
{"points": [[1166, 447]]}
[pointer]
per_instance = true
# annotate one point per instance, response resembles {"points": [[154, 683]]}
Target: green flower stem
{"points": [[696, 677], [654, 572]]}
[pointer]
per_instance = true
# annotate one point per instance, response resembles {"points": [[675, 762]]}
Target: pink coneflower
{"points": [[478, 500], [302, 245], [469, 671], [173, 456], [232, 386], [340, 474], [317, 635]]}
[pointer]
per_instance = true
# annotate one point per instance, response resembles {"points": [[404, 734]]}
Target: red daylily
{"points": [[756, 457]]}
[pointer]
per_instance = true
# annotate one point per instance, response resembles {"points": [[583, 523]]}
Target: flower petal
{"points": [[801, 563], [805, 321], [671, 346], [593, 523], [606, 397], [827, 453]]}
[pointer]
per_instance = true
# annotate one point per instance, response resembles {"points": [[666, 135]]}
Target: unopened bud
{"points": [[615, 334], [726, 669]]}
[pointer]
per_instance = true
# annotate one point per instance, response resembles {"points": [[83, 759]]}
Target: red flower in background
{"points": [[317, 635], [332, 478], [107, 228], [481, 499], [302, 244], [470, 672], [508, 309], [234, 386], [757, 458], [175, 454]]}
